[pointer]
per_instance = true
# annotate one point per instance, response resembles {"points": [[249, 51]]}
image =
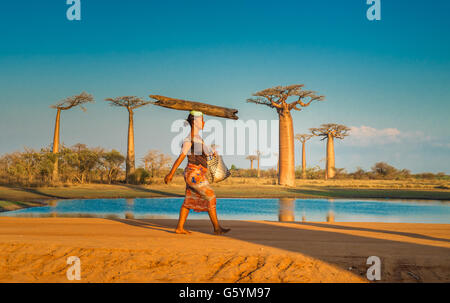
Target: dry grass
{"points": [[380, 184]]}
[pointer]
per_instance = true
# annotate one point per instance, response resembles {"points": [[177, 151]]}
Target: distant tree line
{"points": [[80, 164], [379, 171], [77, 164]]}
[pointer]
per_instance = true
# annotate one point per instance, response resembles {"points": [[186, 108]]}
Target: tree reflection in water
{"points": [[286, 210]]}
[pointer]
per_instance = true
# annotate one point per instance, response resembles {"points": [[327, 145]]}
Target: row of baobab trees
{"points": [[130, 103], [328, 132], [283, 99]]}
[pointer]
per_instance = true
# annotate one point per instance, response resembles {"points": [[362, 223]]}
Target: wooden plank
{"points": [[207, 109]]}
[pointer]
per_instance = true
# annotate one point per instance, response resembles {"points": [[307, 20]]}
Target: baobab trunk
{"points": [[330, 170], [278, 167], [130, 165], [286, 156], [258, 174], [251, 164], [55, 149], [303, 161]]}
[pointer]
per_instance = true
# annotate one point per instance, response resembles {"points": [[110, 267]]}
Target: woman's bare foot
{"points": [[182, 231], [221, 231]]}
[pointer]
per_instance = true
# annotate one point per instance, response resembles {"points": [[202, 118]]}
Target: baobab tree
{"points": [[329, 132], [66, 104], [130, 103], [251, 158], [277, 97], [258, 158], [303, 138]]}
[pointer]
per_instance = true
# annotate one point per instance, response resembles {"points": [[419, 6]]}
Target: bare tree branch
{"points": [[303, 137], [268, 102], [307, 94], [77, 100]]}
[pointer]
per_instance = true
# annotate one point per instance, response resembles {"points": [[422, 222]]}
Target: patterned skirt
{"points": [[199, 195]]}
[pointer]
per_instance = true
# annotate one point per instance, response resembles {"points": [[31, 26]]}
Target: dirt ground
{"points": [[36, 250]]}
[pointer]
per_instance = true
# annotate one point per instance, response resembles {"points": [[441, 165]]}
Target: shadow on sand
{"points": [[340, 227], [401, 261]]}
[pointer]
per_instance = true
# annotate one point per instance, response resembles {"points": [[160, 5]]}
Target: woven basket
{"points": [[217, 170]]}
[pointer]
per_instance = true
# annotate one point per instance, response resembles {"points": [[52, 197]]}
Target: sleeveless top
{"points": [[197, 159]]}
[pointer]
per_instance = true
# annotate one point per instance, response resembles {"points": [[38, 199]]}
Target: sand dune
{"points": [[36, 250]]}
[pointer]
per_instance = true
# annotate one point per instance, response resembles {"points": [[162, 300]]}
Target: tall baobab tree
{"points": [[329, 132], [277, 97], [258, 158], [251, 158], [66, 104], [303, 138], [130, 103]]}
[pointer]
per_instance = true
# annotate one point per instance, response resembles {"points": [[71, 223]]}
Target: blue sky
{"points": [[388, 79]]}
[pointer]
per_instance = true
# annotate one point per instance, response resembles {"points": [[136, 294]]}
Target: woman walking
{"points": [[199, 195]]}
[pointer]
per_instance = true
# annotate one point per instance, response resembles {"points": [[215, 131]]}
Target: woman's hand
{"points": [[177, 163], [168, 178]]}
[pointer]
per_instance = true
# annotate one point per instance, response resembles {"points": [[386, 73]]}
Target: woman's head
{"points": [[195, 118]]}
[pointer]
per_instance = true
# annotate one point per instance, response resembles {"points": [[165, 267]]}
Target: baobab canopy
{"points": [[207, 109], [335, 130]]}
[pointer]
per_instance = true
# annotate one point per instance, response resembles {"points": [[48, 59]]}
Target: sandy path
{"points": [[254, 251]]}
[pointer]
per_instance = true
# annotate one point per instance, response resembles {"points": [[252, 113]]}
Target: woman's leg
{"points": [[184, 212], [218, 230]]}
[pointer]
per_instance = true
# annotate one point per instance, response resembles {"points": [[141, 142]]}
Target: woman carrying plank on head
{"points": [[199, 194]]}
